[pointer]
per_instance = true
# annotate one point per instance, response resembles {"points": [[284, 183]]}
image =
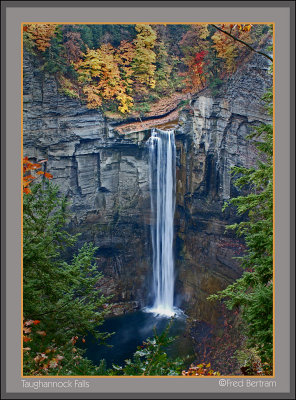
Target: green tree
{"points": [[54, 57], [253, 292], [61, 296], [163, 69]]}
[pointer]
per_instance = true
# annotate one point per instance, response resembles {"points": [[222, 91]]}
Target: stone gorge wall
{"points": [[104, 174], [211, 138]]}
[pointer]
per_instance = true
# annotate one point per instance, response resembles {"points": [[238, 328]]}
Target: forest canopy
{"points": [[126, 68]]}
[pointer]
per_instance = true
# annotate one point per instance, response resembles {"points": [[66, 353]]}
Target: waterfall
{"points": [[162, 159]]}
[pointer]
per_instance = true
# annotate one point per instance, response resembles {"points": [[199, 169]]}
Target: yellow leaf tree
{"points": [[143, 63], [99, 72]]}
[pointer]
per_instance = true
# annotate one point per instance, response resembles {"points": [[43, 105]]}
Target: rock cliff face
{"points": [[212, 138], [104, 173]]}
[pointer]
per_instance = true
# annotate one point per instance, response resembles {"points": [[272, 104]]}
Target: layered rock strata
{"points": [[103, 170]]}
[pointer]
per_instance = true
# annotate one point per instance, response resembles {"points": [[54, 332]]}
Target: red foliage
{"points": [[199, 61]]}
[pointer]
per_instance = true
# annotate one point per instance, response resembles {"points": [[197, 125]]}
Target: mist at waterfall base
{"points": [[134, 328]]}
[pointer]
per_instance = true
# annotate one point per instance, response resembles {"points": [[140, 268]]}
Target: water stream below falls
{"points": [[130, 331]]}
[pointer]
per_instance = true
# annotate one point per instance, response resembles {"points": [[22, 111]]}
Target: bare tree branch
{"points": [[241, 41]]}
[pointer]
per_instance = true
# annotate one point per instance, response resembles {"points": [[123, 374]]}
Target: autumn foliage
{"points": [[196, 76], [105, 75], [109, 73], [59, 300], [195, 46], [73, 46], [126, 68], [40, 34], [202, 369], [229, 49], [31, 171], [143, 63], [43, 356]]}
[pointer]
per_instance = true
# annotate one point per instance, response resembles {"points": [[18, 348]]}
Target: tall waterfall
{"points": [[162, 154]]}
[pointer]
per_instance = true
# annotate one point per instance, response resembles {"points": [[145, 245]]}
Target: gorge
{"points": [[105, 176], [149, 192]]}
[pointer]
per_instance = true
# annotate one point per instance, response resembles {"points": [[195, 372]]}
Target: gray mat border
{"points": [[75, 4]]}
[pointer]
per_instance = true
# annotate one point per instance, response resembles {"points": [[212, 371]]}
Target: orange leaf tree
{"points": [[31, 171], [237, 32], [40, 34], [230, 42]]}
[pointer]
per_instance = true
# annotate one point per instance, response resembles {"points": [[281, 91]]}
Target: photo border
{"points": [[143, 4]]}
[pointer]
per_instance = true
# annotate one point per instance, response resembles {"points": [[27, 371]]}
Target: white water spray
{"points": [[162, 153]]}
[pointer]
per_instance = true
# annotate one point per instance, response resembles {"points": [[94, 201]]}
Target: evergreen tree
{"points": [[61, 296], [253, 292]]}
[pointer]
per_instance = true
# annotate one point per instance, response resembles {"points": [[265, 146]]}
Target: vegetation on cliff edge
{"points": [[128, 68]]}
